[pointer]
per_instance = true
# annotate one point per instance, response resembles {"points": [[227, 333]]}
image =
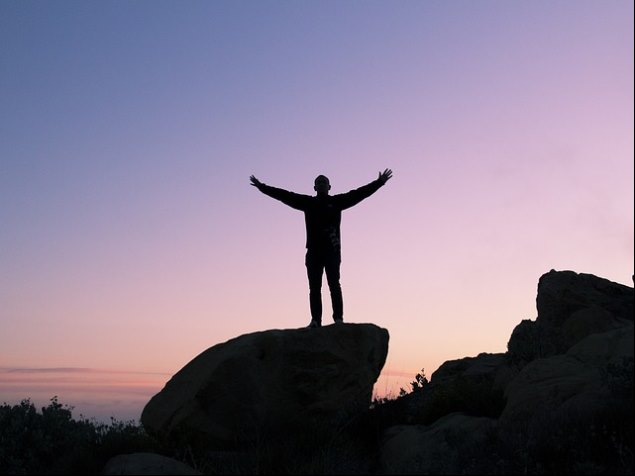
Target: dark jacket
{"points": [[322, 214]]}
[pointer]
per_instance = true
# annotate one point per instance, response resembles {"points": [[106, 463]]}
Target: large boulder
{"points": [[570, 307], [473, 385], [575, 383], [444, 447], [562, 293], [260, 384]]}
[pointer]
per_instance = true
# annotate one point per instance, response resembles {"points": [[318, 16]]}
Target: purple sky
{"points": [[131, 240]]}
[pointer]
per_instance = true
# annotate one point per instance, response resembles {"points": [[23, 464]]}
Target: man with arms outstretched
{"points": [[322, 217]]}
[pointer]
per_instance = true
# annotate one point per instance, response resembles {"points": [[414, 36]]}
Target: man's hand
{"points": [[384, 176], [255, 182]]}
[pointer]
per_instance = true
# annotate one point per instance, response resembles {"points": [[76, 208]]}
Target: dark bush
{"points": [[52, 442]]}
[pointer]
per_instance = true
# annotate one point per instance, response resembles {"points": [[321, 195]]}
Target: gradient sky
{"points": [[131, 240]]}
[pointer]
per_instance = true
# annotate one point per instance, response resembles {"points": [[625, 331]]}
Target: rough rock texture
{"points": [[566, 373], [561, 293], [570, 307], [278, 380], [146, 463], [435, 448], [574, 383]]}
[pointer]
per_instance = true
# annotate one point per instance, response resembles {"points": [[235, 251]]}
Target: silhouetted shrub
{"points": [[52, 442]]}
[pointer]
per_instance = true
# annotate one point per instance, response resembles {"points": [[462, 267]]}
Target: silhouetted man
{"points": [[322, 216]]}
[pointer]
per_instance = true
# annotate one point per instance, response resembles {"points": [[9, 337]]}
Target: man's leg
{"points": [[315, 269], [332, 265]]}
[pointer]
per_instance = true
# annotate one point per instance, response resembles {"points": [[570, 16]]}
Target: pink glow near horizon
{"points": [[132, 240]]}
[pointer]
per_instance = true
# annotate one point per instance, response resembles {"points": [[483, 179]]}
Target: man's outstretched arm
{"points": [[294, 200], [349, 199]]}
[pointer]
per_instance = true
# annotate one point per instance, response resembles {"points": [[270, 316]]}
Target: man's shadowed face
{"points": [[322, 185]]}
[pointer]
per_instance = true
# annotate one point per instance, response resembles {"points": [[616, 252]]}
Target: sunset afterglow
{"points": [[131, 239]]}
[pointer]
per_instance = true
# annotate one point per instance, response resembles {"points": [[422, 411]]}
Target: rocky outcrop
{"points": [[570, 307], [560, 400], [473, 385], [262, 384], [575, 383], [563, 293], [435, 448], [564, 374]]}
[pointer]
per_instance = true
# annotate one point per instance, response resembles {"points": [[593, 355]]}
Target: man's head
{"points": [[322, 185]]}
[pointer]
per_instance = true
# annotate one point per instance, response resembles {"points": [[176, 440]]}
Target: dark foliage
{"points": [[52, 442]]}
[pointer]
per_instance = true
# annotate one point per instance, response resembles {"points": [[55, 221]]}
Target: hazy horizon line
{"points": [[77, 370]]}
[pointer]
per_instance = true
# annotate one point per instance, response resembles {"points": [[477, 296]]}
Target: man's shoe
{"points": [[313, 324], [339, 321]]}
